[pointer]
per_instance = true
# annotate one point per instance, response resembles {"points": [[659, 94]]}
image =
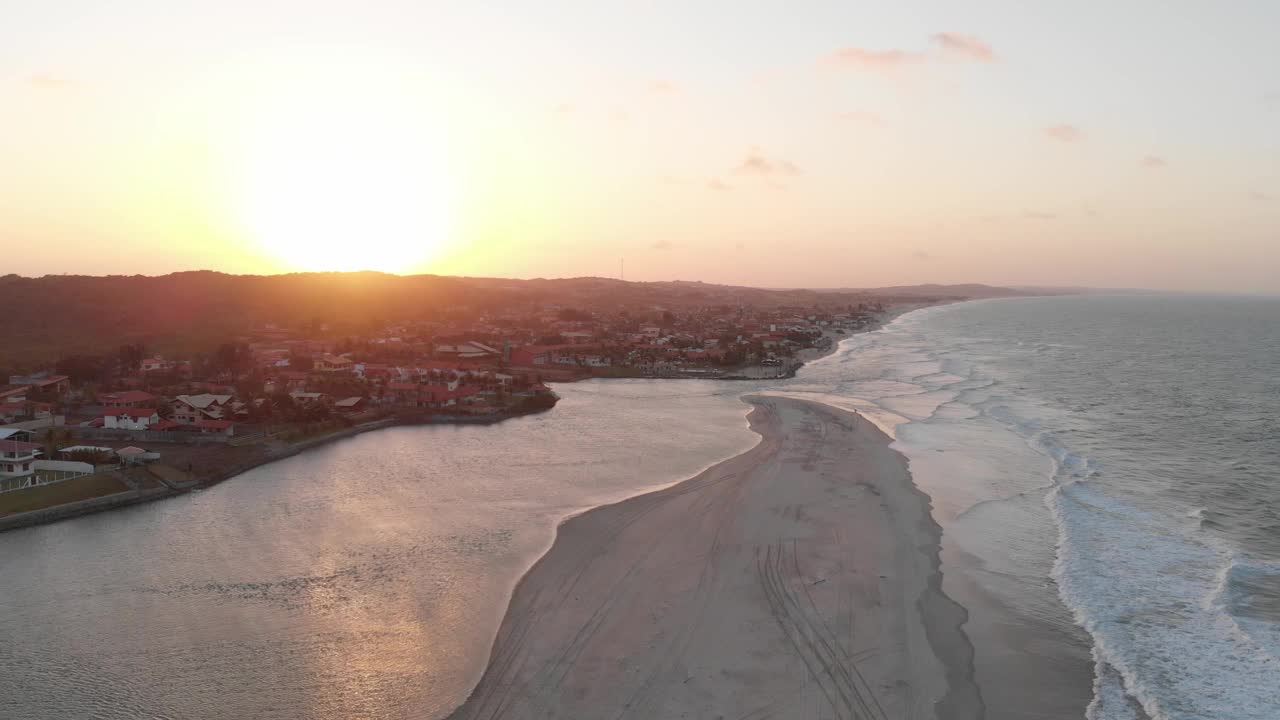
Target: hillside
{"points": [[54, 316]]}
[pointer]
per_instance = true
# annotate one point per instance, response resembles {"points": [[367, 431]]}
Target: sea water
{"points": [[1112, 463]]}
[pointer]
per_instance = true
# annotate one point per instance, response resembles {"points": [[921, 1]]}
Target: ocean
{"points": [[1107, 470]]}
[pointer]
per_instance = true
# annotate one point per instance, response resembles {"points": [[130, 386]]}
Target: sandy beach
{"points": [[799, 579]]}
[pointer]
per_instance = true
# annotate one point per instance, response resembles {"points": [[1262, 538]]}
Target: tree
{"points": [[82, 368], [573, 314], [300, 362], [131, 356]]}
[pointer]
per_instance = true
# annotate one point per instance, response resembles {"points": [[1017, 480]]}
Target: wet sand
{"points": [[799, 579]]}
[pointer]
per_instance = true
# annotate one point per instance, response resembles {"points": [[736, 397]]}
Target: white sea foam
{"points": [[1184, 624], [1145, 592]]}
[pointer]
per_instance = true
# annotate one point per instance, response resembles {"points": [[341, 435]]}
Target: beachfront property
{"points": [[286, 381]]}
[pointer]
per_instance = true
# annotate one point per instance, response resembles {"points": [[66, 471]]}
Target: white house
{"points": [[17, 458], [129, 418], [190, 409]]}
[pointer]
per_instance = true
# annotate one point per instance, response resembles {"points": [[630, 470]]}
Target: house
{"points": [[531, 355], [24, 410], [155, 364], [128, 398], [351, 404], [18, 434], [466, 351], [333, 363], [129, 418], [17, 458], [210, 427], [307, 398], [43, 382], [188, 409], [401, 393], [372, 371], [14, 393]]}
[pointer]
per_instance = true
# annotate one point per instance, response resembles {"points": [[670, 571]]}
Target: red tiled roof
{"points": [[129, 412], [128, 396]]}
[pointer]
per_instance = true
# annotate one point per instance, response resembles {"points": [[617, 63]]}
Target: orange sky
{"points": [[728, 142]]}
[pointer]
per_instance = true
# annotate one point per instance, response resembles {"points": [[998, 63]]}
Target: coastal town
{"points": [[136, 424]]}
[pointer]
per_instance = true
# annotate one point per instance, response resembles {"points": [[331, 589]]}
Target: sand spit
{"points": [[799, 580]]}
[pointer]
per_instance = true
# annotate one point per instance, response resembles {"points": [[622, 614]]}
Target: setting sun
{"points": [[350, 180]]}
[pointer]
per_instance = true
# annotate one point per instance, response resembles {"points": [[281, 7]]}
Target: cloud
{"points": [[757, 164], [1039, 215], [717, 184], [663, 87], [661, 245], [51, 81], [1153, 162], [1065, 133], [862, 118], [856, 58], [966, 46]]}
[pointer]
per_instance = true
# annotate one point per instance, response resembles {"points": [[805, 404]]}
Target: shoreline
{"points": [[129, 498], [813, 533]]}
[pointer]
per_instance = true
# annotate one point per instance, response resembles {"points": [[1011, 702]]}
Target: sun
{"points": [[344, 177]]}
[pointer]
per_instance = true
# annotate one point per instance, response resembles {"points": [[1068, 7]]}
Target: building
{"points": [[24, 410], [333, 363], [216, 427], [126, 399], [17, 458], [351, 404], [307, 399], [43, 382], [155, 364], [466, 351], [190, 409], [130, 418]]}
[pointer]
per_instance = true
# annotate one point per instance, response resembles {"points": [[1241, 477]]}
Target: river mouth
{"points": [[362, 578]]}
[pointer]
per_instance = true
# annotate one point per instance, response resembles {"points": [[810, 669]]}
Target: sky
{"points": [[777, 144]]}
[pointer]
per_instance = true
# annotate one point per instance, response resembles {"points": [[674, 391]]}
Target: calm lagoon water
{"points": [[363, 579]]}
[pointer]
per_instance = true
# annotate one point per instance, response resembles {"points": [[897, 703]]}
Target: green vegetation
{"points": [[46, 496]]}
